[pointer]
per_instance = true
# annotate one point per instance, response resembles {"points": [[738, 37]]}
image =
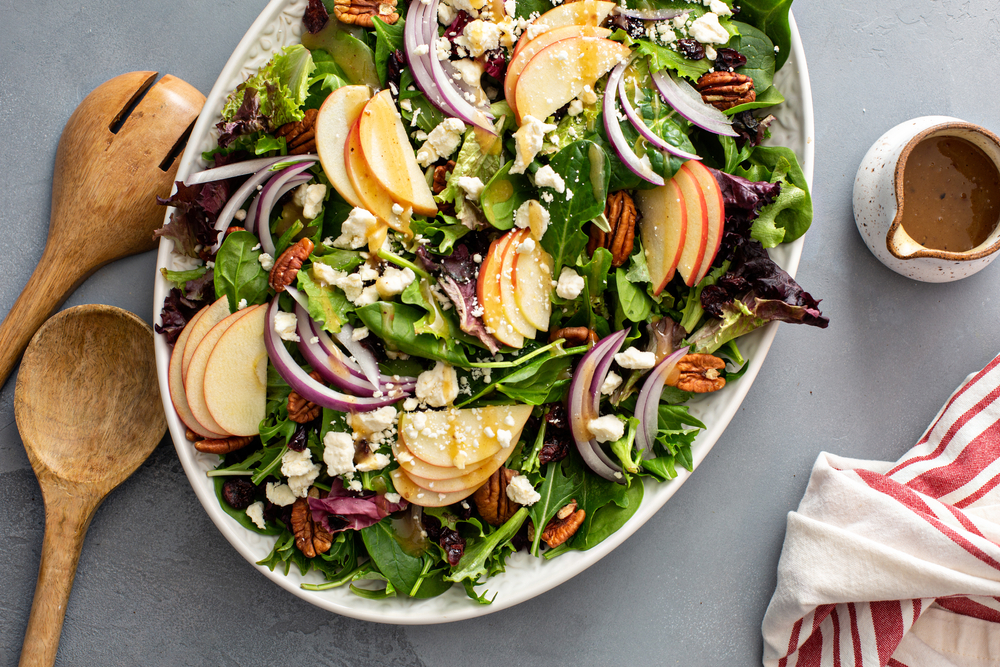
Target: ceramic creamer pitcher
{"points": [[879, 202]]}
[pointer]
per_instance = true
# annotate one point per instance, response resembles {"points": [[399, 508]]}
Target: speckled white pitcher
{"points": [[878, 202]]}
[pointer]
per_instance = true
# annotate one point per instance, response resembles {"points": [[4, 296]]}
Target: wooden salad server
{"points": [[115, 155], [88, 408]]}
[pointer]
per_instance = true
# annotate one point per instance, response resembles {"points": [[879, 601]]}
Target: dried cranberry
{"points": [[238, 493], [728, 59], [298, 441], [316, 16], [394, 69], [453, 545], [431, 526], [496, 63], [553, 450], [691, 49], [456, 29], [633, 26], [556, 418]]}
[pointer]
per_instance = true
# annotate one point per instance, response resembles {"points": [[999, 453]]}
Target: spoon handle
{"points": [[66, 520], [54, 278]]}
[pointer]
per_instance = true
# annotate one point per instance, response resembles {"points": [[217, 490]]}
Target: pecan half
{"points": [[575, 335], [223, 445], [287, 266], [725, 90], [300, 136], [300, 410], [311, 538], [491, 498], [698, 373], [361, 12], [563, 525], [621, 214]]}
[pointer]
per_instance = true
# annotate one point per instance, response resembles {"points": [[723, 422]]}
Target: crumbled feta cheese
{"points": [[376, 461], [480, 37], [242, 304], [355, 486], [519, 490], [534, 30], [367, 273], [375, 421], [607, 428], [587, 95], [710, 53], [510, 7], [546, 177], [279, 494], [446, 14], [392, 498], [310, 198], [504, 437], [266, 261], [338, 453], [441, 142], [523, 214], [718, 7], [575, 108], [442, 48], [707, 30], [285, 325], [324, 274], [422, 50], [354, 231], [299, 484], [472, 185], [526, 246], [296, 463], [570, 284], [241, 214], [636, 359], [359, 334], [256, 514], [369, 295], [439, 386], [397, 209], [393, 281], [411, 404], [528, 141], [611, 382]]}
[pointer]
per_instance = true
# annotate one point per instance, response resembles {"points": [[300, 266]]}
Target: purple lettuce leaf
{"points": [[457, 275], [196, 208], [177, 311], [456, 29], [247, 119], [349, 510]]}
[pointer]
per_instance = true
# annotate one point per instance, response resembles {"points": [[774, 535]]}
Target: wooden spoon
{"points": [[88, 407], [111, 162]]}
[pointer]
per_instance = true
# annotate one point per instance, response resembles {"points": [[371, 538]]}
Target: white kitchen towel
{"points": [[898, 563]]}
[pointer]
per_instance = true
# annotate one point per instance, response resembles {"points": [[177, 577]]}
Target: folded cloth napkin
{"points": [[898, 563]]}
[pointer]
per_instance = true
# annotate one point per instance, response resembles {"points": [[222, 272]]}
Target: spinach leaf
{"points": [[394, 323], [768, 98], [238, 274], [327, 305], [337, 258], [442, 237], [472, 566], [608, 505], [525, 8], [400, 568], [636, 305], [388, 38], [759, 52], [771, 16], [547, 384], [421, 113], [503, 194], [586, 170], [662, 57], [557, 490], [241, 515], [418, 293]]}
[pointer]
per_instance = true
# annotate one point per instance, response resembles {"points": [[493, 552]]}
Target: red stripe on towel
{"points": [[887, 617], [967, 607]]}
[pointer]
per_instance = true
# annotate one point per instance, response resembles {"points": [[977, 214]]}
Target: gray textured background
{"points": [[158, 584]]}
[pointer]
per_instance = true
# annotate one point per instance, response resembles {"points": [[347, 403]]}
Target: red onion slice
{"points": [[651, 14], [250, 222], [308, 388], [404, 382], [581, 408], [687, 101], [242, 168], [269, 195], [421, 31], [637, 166], [648, 403], [328, 366], [361, 354], [644, 130]]}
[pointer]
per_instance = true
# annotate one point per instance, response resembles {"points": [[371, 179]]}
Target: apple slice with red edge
{"points": [[505, 283], [663, 229], [557, 74], [584, 12], [387, 152], [715, 209], [412, 493], [455, 437], [696, 239], [175, 382], [471, 480], [488, 294], [414, 466], [373, 196], [531, 277], [333, 125], [214, 314], [235, 379]]}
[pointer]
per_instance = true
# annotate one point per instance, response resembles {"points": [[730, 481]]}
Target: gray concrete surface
{"points": [[157, 583]]}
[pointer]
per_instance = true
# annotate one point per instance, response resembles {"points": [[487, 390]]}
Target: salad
{"points": [[459, 266]]}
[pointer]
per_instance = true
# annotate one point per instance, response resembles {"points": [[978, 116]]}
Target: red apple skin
{"points": [[488, 293], [697, 236], [715, 209], [663, 229]]}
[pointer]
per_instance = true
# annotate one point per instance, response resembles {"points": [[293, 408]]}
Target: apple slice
{"points": [[663, 230], [418, 496], [372, 196], [235, 380], [175, 382], [531, 277], [715, 209], [511, 311], [333, 123], [454, 437], [558, 73], [471, 480], [414, 466], [195, 380], [696, 239], [526, 50], [214, 314], [488, 293], [585, 12], [389, 155]]}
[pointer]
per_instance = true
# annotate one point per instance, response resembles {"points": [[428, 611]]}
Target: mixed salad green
{"points": [[389, 312]]}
